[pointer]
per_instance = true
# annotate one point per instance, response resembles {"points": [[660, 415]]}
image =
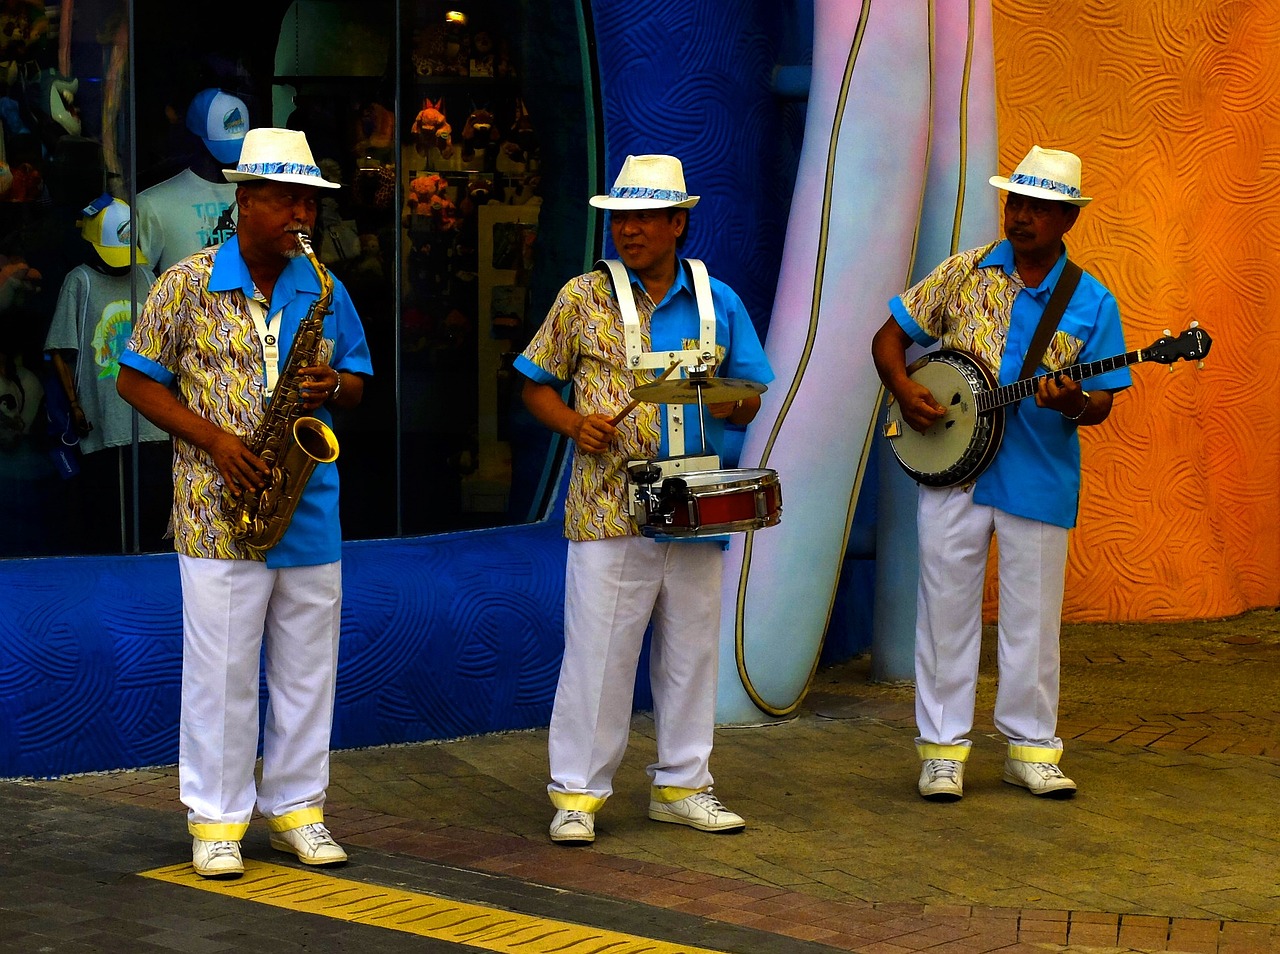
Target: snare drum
{"points": [[710, 502]]}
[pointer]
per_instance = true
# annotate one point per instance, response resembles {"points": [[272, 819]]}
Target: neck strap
{"points": [[1058, 301]]}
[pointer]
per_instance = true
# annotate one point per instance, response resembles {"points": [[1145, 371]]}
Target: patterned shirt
{"points": [[985, 297], [975, 301], [196, 333], [582, 342]]}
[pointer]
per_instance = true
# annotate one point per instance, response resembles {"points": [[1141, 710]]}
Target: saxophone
{"points": [[289, 441]]}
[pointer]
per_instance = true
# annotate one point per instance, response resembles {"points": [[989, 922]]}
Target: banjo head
{"points": [[959, 444]]}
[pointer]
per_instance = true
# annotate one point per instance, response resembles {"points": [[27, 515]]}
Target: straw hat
{"points": [[280, 155], [648, 182], [1046, 174]]}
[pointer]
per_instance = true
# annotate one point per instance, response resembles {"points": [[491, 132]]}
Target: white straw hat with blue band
{"points": [[279, 155], [1046, 174], [648, 182]]}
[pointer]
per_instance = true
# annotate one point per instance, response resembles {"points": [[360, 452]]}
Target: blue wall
{"points": [[441, 637]]}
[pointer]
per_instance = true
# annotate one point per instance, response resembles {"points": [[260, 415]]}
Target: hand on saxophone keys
{"points": [[320, 383], [242, 470]]}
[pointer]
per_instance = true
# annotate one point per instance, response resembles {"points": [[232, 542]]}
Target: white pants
{"points": [[612, 588], [231, 609], [955, 536]]}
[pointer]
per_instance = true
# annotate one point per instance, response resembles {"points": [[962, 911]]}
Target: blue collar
{"points": [[230, 272], [682, 282]]}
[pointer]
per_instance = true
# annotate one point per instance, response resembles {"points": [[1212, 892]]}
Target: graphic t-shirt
{"points": [[182, 215], [94, 318]]}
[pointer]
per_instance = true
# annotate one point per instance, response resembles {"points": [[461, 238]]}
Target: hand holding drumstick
{"points": [[617, 418]]}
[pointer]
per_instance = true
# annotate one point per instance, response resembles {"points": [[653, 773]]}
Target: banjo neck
{"points": [[1012, 393]]}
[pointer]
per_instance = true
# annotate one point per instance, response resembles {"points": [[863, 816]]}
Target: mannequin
{"points": [[92, 322], [192, 210]]}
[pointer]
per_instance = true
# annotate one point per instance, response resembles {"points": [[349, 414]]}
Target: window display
{"points": [[439, 232]]}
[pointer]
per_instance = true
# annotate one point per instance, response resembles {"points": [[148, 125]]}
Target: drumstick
{"points": [[635, 403]]}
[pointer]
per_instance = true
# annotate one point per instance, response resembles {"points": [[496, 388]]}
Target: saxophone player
{"points": [[204, 363]]}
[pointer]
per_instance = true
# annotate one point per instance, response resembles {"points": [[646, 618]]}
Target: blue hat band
{"points": [[1052, 185], [637, 192], [279, 168]]}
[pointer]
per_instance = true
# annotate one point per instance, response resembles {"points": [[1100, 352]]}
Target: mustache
{"points": [[295, 250]]}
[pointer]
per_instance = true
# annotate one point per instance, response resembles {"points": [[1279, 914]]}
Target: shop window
{"points": [[463, 210], [471, 175], [69, 447]]}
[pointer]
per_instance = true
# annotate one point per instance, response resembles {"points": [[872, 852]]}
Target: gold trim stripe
{"points": [[815, 307], [422, 915]]}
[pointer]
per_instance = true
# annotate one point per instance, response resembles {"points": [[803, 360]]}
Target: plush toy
{"points": [[478, 133], [369, 265], [375, 132], [443, 213], [422, 189], [482, 54], [50, 99], [503, 68], [457, 48], [428, 124], [480, 190], [528, 192], [521, 142], [427, 54], [24, 27]]}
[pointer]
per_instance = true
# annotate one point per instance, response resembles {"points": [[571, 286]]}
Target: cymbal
{"points": [[698, 388]]}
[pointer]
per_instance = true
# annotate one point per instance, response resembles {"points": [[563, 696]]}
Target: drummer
{"points": [[617, 580]]}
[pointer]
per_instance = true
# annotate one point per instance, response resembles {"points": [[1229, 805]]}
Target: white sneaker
{"points": [[216, 859], [1040, 778], [942, 780], [701, 810], [311, 843], [570, 827]]}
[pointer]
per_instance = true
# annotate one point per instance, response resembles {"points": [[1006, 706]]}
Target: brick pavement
{"points": [[1171, 845]]}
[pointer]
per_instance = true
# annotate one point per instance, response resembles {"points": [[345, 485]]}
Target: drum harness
{"points": [[648, 473]]}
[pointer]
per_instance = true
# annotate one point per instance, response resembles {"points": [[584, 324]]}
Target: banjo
{"points": [[960, 445]]}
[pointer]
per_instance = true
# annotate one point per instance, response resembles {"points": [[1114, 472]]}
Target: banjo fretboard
{"points": [[1011, 393]]}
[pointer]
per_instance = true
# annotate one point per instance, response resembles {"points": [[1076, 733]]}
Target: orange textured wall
{"points": [[1174, 108]]}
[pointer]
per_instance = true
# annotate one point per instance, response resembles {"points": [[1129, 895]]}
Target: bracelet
{"points": [[1084, 407], [336, 388]]}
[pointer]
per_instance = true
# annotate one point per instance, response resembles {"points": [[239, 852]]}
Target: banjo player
{"points": [[989, 302]]}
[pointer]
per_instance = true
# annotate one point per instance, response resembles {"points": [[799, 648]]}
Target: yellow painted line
{"points": [[422, 915]]}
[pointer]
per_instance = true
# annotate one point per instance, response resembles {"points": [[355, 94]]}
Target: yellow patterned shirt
{"points": [[976, 302], [967, 306], [581, 341]]}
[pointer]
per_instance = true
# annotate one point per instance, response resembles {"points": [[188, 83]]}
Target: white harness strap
{"points": [[638, 358], [269, 338]]}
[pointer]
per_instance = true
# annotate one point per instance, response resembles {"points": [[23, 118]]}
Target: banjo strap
{"points": [[1062, 293]]}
